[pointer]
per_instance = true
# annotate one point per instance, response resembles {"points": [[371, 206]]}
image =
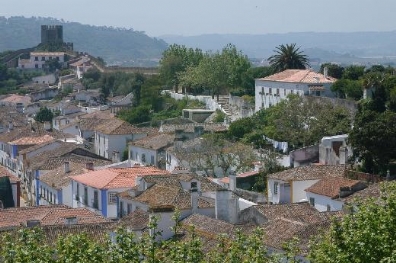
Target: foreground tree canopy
{"points": [[367, 234]]}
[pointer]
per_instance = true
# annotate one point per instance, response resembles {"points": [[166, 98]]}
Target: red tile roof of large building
{"points": [[116, 177], [299, 76]]}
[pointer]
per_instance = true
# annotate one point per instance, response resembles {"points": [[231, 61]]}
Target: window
{"points": [[95, 203], [42, 58], [41, 190], [276, 188], [194, 186], [277, 92], [284, 92], [317, 93], [78, 192], [85, 195], [131, 154], [50, 199], [152, 159], [35, 58], [328, 208], [129, 208], [112, 198], [143, 158], [270, 90], [312, 201], [36, 65], [291, 91]]}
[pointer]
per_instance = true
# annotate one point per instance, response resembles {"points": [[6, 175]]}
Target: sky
{"points": [[188, 18]]}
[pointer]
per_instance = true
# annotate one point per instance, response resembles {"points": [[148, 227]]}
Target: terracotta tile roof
{"points": [[14, 98], [57, 178], [4, 172], [310, 172], [248, 174], [299, 212], [119, 127], [330, 186], [299, 76], [155, 142], [104, 115], [208, 225], [116, 177], [34, 130], [33, 140], [47, 215], [137, 220], [159, 195], [372, 191]]}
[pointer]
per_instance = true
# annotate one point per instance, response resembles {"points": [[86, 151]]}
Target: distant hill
{"points": [[117, 46], [359, 47]]}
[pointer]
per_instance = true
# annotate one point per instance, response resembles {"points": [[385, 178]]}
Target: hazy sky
{"points": [[186, 17]]}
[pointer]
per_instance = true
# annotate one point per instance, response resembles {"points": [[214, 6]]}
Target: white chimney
{"points": [[67, 167], [226, 206], [116, 157], [326, 72], [47, 125], [194, 200], [232, 180]]}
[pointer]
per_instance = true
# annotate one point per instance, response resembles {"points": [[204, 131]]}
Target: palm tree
{"points": [[288, 57]]}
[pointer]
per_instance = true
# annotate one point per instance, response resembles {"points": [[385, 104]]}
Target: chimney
{"points": [[194, 200], [343, 155], [89, 166], [10, 125], [232, 181], [67, 167], [226, 206], [326, 72], [116, 157], [47, 126]]}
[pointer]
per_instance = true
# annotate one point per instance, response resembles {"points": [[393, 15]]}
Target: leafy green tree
{"points": [[248, 80], [346, 88], [333, 70], [175, 60], [240, 127], [353, 72], [44, 114], [288, 57], [367, 234], [373, 139]]}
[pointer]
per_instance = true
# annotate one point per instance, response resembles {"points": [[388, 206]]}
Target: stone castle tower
{"points": [[51, 34]]}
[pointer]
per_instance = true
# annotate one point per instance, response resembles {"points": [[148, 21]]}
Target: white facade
{"points": [[142, 155], [38, 59], [101, 201], [281, 192], [324, 203], [269, 93], [106, 144]]}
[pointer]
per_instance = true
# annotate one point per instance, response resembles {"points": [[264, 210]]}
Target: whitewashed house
{"points": [[272, 89], [327, 194], [151, 150], [112, 137], [37, 60], [289, 186], [97, 190]]}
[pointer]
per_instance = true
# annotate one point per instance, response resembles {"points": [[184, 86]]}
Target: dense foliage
{"points": [[44, 115], [367, 234], [11, 79], [27, 246]]}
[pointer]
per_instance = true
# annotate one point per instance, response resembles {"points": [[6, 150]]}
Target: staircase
{"points": [[224, 104]]}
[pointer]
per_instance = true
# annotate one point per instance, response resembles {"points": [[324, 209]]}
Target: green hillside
{"points": [[117, 46]]}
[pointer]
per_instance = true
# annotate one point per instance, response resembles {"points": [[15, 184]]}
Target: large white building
{"points": [[38, 59], [272, 89]]}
